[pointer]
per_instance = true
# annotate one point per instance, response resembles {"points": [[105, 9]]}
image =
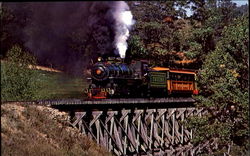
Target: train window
{"points": [[179, 77], [192, 77], [173, 76], [189, 77], [185, 77]]}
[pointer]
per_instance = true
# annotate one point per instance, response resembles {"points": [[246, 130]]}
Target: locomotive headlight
{"points": [[98, 71]]}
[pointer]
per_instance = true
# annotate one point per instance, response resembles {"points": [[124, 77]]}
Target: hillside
{"points": [[48, 83], [39, 130]]}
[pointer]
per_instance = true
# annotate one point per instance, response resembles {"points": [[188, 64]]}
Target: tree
{"points": [[155, 27], [208, 20], [12, 23], [223, 82], [6, 18], [17, 81]]}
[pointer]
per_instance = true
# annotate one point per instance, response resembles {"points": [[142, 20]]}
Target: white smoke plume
{"points": [[124, 22]]}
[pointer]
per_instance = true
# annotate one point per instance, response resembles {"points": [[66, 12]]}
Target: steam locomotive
{"points": [[113, 78]]}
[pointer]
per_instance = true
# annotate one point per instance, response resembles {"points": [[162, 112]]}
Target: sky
{"points": [[238, 3]]}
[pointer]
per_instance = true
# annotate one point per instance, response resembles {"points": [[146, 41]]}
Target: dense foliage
{"points": [[223, 80], [18, 82], [214, 40]]}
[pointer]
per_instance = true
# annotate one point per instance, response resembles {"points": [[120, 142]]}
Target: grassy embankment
{"points": [[38, 131], [57, 85], [60, 85]]}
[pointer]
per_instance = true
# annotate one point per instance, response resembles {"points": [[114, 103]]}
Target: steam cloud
{"points": [[68, 34], [124, 21]]}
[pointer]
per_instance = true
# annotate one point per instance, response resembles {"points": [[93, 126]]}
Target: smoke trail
{"points": [[124, 21], [98, 28]]}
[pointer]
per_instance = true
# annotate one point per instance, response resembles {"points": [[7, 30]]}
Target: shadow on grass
{"points": [[60, 85]]}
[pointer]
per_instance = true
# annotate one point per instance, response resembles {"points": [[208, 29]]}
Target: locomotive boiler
{"points": [[114, 78]]}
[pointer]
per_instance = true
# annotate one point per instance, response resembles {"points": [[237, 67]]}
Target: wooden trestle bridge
{"points": [[135, 126]]}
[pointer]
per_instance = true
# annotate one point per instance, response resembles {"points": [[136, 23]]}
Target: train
{"points": [[113, 78]]}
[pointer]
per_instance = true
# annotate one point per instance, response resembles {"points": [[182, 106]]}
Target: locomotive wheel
{"points": [[92, 86], [148, 93], [90, 95], [144, 91], [142, 94]]}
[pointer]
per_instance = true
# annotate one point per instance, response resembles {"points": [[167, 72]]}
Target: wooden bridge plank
{"points": [[124, 114], [103, 125], [79, 117], [96, 115], [126, 129], [89, 130], [128, 134], [138, 130], [144, 135], [111, 130], [117, 138], [161, 112]]}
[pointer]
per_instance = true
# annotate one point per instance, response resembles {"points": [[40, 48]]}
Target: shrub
{"points": [[18, 83]]}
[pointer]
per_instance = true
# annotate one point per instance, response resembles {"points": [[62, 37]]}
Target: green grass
{"points": [[58, 85], [61, 86]]}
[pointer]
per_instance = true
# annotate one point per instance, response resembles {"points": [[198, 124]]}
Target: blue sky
{"points": [[238, 3]]}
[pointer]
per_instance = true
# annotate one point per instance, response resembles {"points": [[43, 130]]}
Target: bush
{"points": [[18, 82]]}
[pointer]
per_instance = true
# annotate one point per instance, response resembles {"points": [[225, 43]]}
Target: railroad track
{"points": [[116, 101], [136, 102]]}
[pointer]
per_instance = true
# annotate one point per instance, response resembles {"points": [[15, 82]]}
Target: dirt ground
{"points": [[39, 130]]}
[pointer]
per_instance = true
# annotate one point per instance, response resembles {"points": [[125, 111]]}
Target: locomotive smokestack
{"points": [[124, 21]]}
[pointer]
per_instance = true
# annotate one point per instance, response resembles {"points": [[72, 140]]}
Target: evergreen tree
{"points": [[223, 81], [156, 29]]}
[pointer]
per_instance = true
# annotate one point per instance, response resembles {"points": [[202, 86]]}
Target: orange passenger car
{"points": [[180, 81]]}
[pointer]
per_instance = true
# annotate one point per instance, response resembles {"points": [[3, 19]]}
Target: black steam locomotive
{"points": [[114, 78]]}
